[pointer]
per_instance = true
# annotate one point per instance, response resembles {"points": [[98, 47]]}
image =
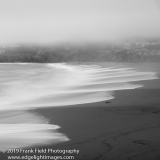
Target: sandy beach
{"points": [[127, 128]]}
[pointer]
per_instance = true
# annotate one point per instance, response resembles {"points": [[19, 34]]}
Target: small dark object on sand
{"points": [[108, 102]]}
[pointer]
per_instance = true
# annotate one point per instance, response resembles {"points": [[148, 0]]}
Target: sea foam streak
{"points": [[27, 86]]}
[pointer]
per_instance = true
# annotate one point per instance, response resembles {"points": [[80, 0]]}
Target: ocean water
{"points": [[25, 86]]}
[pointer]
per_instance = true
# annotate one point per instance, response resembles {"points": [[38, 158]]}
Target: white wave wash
{"points": [[28, 86]]}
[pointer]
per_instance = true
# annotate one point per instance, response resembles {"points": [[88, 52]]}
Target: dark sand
{"points": [[128, 128]]}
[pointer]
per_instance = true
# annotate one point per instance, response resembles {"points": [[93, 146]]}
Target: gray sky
{"points": [[46, 21]]}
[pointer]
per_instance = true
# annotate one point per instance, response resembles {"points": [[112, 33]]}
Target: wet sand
{"points": [[127, 128]]}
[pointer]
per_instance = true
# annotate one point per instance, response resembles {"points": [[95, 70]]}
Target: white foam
{"points": [[56, 79], [20, 129]]}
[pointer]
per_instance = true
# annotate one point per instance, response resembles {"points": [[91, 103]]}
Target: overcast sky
{"points": [[46, 21]]}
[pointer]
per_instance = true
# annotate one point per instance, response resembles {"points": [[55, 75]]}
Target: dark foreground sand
{"points": [[128, 128]]}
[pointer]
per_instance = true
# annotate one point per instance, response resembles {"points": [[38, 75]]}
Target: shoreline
{"points": [[123, 129], [126, 128]]}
